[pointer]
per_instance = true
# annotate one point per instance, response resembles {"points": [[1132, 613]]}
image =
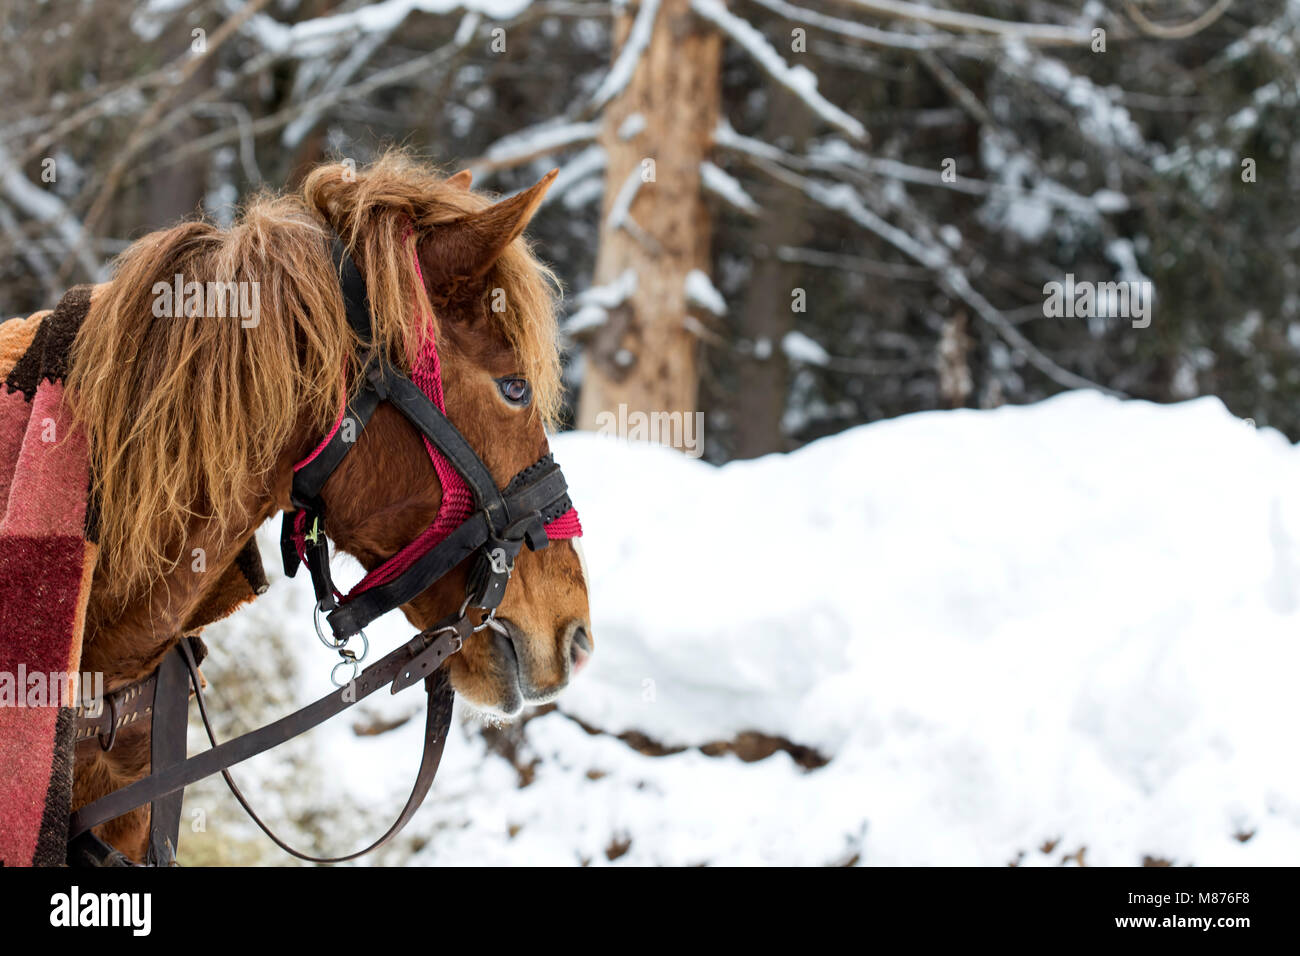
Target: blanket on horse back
{"points": [[47, 559]]}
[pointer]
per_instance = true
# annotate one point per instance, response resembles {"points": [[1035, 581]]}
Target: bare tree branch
{"points": [[1180, 31], [1034, 33], [140, 134], [843, 199]]}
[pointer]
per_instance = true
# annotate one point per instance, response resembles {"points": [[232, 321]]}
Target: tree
{"points": [[1012, 142], [656, 132]]}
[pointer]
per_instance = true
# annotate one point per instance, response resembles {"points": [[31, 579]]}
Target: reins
{"points": [[532, 508]]}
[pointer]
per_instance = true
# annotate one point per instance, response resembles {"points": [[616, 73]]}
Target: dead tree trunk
{"points": [[762, 377], [655, 133]]}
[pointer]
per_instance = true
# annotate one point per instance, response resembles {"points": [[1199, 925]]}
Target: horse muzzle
{"points": [[503, 669]]}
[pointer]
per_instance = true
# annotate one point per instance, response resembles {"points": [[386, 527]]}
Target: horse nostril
{"points": [[579, 649]]}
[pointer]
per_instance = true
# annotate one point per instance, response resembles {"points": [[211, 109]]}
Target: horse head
{"points": [[491, 315], [195, 421]]}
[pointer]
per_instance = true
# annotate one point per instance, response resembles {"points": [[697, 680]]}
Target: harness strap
{"points": [[124, 706], [167, 734], [437, 722], [356, 300], [312, 474], [433, 423], [427, 648], [362, 608], [505, 520]]}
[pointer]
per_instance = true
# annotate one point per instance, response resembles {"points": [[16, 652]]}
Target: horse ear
{"points": [[462, 251], [464, 179]]}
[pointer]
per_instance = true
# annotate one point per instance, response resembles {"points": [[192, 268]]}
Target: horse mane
{"points": [[187, 416]]}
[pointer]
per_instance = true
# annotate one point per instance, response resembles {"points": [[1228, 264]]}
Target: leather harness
{"points": [[503, 522]]}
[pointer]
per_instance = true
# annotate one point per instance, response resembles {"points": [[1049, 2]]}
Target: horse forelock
{"points": [[382, 210]]}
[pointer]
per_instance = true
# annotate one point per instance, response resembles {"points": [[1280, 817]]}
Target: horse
{"points": [[197, 424]]}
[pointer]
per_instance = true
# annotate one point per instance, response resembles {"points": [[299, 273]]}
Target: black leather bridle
{"points": [[502, 523]]}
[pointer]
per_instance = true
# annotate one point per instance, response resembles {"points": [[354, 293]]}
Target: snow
{"points": [[1101, 118], [150, 18], [321, 35], [722, 184], [804, 350], [50, 210], [595, 304], [799, 80], [638, 39], [542, 138], [701, 293], [1026, 200], [620, 211], [632, 127], [1074, 621], [586, 166]]}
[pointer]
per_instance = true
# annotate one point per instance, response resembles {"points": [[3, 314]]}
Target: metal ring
{"points": [[365, 646], [486, 621], [356, 669], [331, 642], [489, 619]]}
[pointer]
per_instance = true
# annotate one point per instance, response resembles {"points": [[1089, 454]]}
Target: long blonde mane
{"points": [[187, 416]]}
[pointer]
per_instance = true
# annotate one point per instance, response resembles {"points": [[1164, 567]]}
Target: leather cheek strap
{"points": [[526, 509]]}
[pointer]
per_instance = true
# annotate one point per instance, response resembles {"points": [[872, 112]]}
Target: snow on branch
{"points": [[1046, 193], [1036, 33], [596, 303], [804, 350], [583, 168], [840, 159], [638, 38], [725, 186], [703, 294], [798, 79], [873, 35], [320, 35], [727, 137], [336, 76], [1101, 115], [845, 200], [49, 210], [620, 212], [528, 144]]}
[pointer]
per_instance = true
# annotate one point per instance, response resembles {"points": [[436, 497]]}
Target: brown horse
{"points": [[195, 422]]}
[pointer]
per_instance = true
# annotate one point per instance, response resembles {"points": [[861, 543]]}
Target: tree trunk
{"points": [[645, 356], [762, 378]]}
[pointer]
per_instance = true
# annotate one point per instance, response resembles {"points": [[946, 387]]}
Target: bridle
{"points": [[476, 522], [496, 524]]}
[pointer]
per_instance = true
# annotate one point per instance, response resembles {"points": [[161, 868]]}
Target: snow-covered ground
{"points": [[1073, 625]]}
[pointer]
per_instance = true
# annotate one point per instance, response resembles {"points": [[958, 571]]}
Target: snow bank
{"points": [[1073, 623]]}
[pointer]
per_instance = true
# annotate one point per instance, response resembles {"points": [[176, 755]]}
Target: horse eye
{"points": [[516, 391]]}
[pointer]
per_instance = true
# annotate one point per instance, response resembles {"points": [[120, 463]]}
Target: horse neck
{"points": [[125, 639]]}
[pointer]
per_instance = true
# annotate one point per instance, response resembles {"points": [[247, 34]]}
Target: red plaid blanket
{"points": [[46, 557]]}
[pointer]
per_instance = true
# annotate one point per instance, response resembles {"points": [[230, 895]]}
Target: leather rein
{"points": [[501, 523]]}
